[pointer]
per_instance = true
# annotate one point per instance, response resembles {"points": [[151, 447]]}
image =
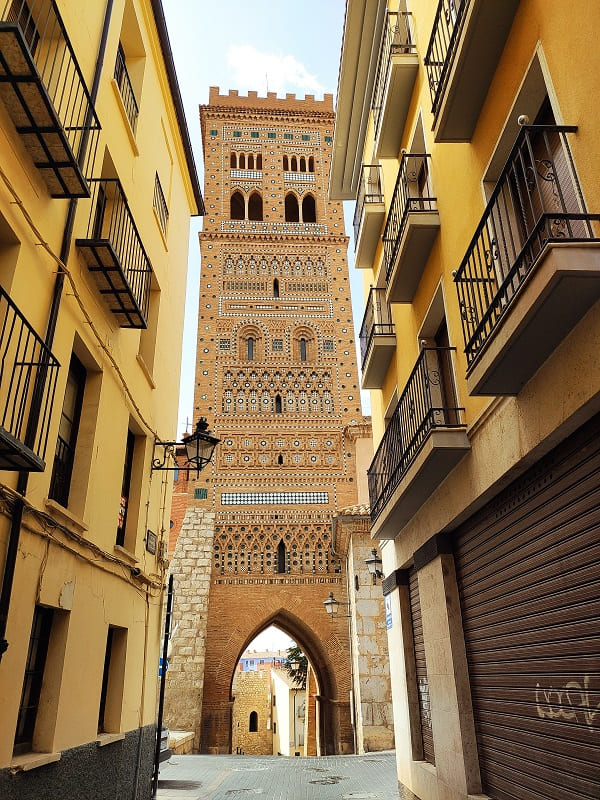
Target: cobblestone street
{"points": [[201, 777]]}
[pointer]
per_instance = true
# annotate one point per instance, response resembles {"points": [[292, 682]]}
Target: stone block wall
{"points": [[252, 693]]}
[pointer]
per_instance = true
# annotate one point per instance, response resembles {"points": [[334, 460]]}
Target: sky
{"points": [[259, 45]]}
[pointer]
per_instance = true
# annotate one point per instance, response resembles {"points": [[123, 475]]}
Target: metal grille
{"points": [[412, 194], [376, 321], [28, 373], [126, 89], [421, 669], [537, 200], [397, 38], [442, 45], [45, 94], [369, 191], [160, 205], [426, 403], [527, 569]]}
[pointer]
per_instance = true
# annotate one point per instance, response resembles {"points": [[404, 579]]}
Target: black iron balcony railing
{"points": [[160, 206], [428, 402], [397, 38], [442, 44], [411, 194], [115, 255], [126, 89], [537, 200], [369, 191], [43, 90], [377, 321], [28, 373]]}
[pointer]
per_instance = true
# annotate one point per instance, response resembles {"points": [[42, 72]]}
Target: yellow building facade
{"points": [[97, 186], [465, 135]]}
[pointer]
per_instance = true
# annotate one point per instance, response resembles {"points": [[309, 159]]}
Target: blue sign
{"points": [[388, 611], [160, 666]]}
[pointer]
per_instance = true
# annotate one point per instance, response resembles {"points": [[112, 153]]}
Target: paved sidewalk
{"points": [[368, 777]]}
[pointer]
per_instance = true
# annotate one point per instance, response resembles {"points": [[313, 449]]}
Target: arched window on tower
{"points": [[253, 722], [237, 210], [311, 164], [259, 161], [286, 164], [250, 348], [242, 161], [278, 404], [250, 161], [293, 164], [302, 349], [255, 207], [302, 164], [309, 211], [281, 556], [233, 161], [275, 288], [292, 212], [280, 459]]}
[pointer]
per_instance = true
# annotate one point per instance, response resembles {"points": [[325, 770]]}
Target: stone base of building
{"points": [[119, 769]]}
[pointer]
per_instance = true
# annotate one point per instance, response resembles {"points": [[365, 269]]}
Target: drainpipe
{"points": [[17, 512]]}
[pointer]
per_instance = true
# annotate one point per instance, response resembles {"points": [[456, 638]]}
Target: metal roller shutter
{"points": [[528, 568], [421, 668]]}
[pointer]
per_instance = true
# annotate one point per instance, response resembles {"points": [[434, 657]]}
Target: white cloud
{"points": [[252, 69]]}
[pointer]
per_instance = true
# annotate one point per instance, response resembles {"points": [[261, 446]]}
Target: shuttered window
{"points": [[421, 669]]}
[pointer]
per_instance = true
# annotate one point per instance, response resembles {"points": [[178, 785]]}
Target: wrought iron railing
{"points": [[377, 321], [442, 45], [160, 205], [427, 402], [536, 200], [411, 194], [51, 52], [397, 38], [370, 190], [111, 219], [126, 89], [28, 373]]}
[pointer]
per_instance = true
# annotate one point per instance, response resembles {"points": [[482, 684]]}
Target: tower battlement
{"points": [[271, 102]]}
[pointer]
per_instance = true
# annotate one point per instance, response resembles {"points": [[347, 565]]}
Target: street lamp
{"points": [[199, 448], [374, 564], [332, 606]]}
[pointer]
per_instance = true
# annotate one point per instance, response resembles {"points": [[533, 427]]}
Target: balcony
{"points": [[44, 93], [423, 442], [369, 213], [532, 269], [28, 373], [412, 225], [115, 255], [396, 73], [126, 89], [466, 43], [377, 340]]}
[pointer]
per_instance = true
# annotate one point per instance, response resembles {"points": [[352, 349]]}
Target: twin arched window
{"points": [[246, 208], [294, 212]]}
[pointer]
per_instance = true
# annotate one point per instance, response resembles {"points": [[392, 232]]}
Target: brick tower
{"points": [[276, 377]]}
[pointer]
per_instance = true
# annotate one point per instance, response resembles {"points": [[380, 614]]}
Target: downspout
{"points": [[17, 512]]}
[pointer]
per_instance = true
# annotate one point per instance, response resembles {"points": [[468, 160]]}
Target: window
{"points": [[254, 134], [111, 694], [302, 349], [32, 680], [302, 164], [242, 161], [280, 459], [275, 288], [281, 557], [271, 135], [62, 469], [250, 348], [250, 161], [292, 211], [255, 207], [159, 204], [288, 135], [309, 212], [237, 206], [200, 494], [305, 137], [237, 134], [328, 345], [278, 404], [311, 164], [214, 132], [130, 64], [274, 724], [294, 164], [286, 164], [233, 160], [259, 161], [253, 723], [125, 488], [277, 344]]}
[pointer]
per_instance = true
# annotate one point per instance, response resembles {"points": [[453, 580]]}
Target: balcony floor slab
{"points": [[416, 241]]}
